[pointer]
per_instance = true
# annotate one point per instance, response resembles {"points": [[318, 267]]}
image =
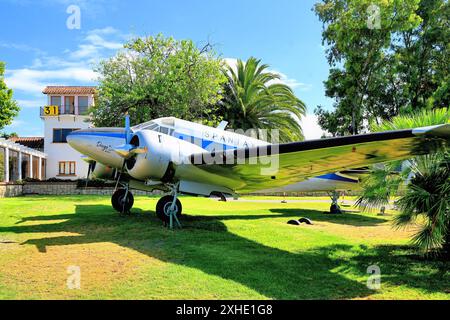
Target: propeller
{"points": [[128, 150]]}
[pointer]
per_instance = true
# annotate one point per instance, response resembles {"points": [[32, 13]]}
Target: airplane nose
{"points": [[78, 142]]}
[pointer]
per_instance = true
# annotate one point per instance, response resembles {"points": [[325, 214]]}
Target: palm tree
{"points": [[426, 180], [255, 99], [427, 199]]}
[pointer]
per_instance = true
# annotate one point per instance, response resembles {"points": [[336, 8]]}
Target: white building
{"points": [[18, 162], [66, 110]]}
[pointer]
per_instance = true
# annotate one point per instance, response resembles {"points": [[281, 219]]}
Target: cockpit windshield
{"points": [[151, 125]]}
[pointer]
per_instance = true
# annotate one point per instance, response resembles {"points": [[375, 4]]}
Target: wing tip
{"points": [[441, 130]]}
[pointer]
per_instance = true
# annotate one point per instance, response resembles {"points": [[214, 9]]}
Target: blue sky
{"points": [[40, 50]]}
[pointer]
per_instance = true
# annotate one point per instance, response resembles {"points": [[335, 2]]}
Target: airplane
{"points": [[182, 157]]}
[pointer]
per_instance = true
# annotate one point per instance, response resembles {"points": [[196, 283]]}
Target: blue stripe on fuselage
{"points": [[99, 134], [335, 177]]}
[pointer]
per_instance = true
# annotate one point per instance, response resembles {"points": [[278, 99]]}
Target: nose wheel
{"points": [[122, 201], [335, 208], [168, 209]]}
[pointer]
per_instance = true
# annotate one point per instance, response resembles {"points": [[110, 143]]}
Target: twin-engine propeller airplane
{"points": [[181, 157]]}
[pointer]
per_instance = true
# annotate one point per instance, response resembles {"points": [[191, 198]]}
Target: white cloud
{"points": [[311, 128], [97, 40], [75, 67], [20, 47], [34, 81], [24, 128], [23, 103], [84, 51], [94, 43], [16, 124], [293, 83]]}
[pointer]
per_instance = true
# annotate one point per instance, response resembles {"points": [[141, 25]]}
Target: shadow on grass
{"points": [[205, 244], [402, 266]]}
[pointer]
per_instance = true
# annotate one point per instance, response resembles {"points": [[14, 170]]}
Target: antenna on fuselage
{"points": [[222, 125]]}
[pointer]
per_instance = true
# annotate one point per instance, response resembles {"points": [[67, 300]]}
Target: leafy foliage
{"points": [[422, 118], [253, 99], [425, 180], [383, 182], [428, 196], [156, 77], [378, 73], [6, 135], [8, 106]]}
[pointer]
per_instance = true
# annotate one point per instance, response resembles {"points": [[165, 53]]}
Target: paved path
{"points": [[345, 203], [286, 201]]}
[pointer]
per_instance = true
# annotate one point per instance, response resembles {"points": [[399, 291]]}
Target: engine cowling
{"points": [[100, 171], [161, 151]]}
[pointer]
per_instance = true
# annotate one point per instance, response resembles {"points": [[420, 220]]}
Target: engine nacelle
{"points": [[100, 171], [162, 150]]}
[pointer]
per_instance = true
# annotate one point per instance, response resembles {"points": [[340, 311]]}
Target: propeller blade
{"points": [[139, 150], [123, 150], [127, 150], [127, 129]]}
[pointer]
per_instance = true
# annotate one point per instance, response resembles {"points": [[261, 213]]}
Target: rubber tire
{"points": [[305, 220], [335, 209], [117, 198], [162, 203]]}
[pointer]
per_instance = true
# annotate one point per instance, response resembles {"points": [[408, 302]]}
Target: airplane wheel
{"points": [[335, 209], [119, 202], [163, 206]]}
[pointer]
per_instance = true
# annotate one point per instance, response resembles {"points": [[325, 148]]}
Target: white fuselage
{"points": [[186, 138]]}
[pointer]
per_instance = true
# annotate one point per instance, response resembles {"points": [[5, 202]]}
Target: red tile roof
{"points": [[69, 90], [30, 142]]}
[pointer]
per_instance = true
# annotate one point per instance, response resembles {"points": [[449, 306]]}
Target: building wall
{"points": [[10, 190], [18, 162], [91, 101], [70, 188], [57, 152]]}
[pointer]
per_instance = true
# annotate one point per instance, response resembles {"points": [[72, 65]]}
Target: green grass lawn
{"points": [[228, 250]]}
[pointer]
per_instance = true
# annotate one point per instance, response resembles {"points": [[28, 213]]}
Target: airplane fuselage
{"points": [[179, 139]]}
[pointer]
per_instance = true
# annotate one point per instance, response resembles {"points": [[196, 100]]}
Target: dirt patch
{"points": [[101, 266]]}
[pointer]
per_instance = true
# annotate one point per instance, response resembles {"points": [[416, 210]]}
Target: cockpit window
{"points": [[164, 130], [150, 125], [154, 127]]}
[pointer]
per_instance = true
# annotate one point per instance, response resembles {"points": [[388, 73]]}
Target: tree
{"points": [[378, 72], [5, 135], [157, 77], [427, 201], [425, 180], [253, 99], [422, 56], [8, 106]]}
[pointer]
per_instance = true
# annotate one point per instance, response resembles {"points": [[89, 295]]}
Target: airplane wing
{"points": [[248, 170]]}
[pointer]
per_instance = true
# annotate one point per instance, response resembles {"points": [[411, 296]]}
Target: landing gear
{"points": [[335, 208], [122, 200], [169, 209]]}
